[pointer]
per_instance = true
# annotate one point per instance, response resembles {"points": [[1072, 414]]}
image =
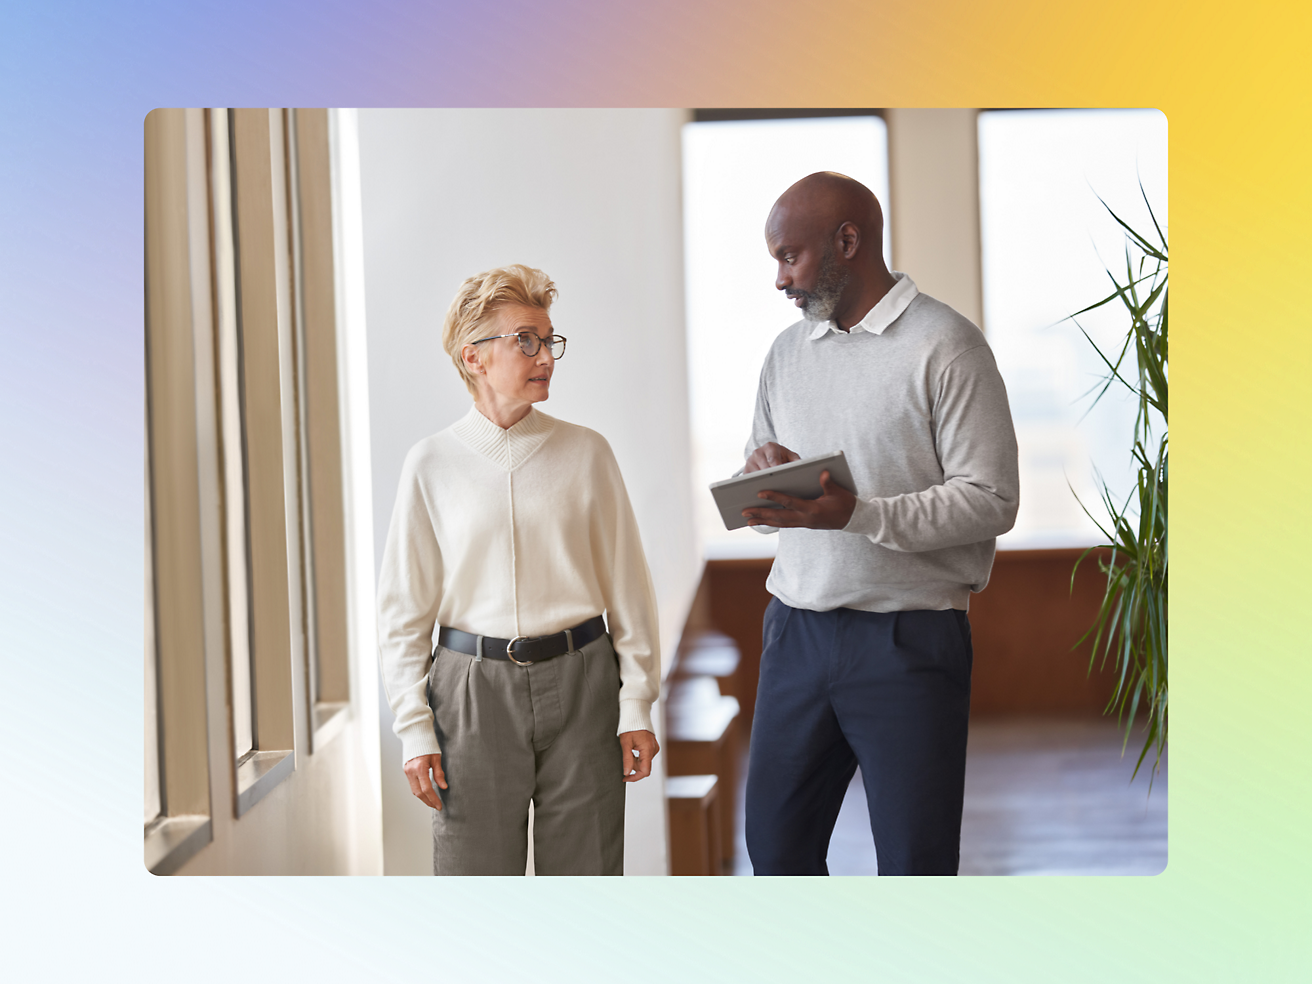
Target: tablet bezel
{"points": [[800, 479]]}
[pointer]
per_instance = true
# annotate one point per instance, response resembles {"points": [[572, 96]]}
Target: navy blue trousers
{"points": [[889, 691]]}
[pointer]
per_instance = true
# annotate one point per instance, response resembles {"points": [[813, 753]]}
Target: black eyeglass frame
{"points": [[550, 339]]}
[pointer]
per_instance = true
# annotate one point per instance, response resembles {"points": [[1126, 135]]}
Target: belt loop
{"points": [[569, 641], [478, 655]]}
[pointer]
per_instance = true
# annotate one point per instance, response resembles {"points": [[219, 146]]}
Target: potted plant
{"points": [[1130, 630]]}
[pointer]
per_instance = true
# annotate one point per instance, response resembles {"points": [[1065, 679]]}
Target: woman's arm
{"points": [[630, 598], [409, 590]]}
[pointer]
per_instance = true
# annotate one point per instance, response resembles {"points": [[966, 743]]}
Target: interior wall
{"points": [[593, 198], [933, 161]]}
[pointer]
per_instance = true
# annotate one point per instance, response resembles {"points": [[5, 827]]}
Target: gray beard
{"points": [[820, 303]]}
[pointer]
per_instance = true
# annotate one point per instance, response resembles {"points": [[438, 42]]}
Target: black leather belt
{"points": [[522, 650]]}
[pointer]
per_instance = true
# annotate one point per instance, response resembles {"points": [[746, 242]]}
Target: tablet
{"points": [[800, 479]]}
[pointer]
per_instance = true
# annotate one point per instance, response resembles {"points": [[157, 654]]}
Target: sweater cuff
{"points": [[418, 739], [635, 715], [867, 520]]}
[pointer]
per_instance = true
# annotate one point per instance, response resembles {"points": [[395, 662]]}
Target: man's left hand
{"points": [[638, 748], [829, 512]]}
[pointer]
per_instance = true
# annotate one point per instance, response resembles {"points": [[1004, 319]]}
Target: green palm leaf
{"points": [[1130, 629]]}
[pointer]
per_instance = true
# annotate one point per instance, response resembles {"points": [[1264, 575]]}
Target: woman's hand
{"points": [[641, 744], [416, 770]]}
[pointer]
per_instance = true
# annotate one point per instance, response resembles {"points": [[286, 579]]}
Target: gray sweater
{"points": [[920, 410]]}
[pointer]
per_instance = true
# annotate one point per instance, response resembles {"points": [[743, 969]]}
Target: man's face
{"points": [[808, 272]]}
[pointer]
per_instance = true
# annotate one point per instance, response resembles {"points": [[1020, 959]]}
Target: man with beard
{"points": [[866, 653]]}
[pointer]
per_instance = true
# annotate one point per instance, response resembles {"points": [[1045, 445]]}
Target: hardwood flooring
{"points": [[1044, 796]]}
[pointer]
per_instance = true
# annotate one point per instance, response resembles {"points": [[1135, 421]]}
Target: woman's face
{"points": [[510, 374]]}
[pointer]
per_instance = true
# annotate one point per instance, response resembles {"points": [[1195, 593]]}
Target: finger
{"points": [[439, 777], [626, 755], [778, 518], [425, 791], [644, 763]]}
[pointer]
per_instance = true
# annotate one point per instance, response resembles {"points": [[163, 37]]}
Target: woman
{"points": [[511, 534]]}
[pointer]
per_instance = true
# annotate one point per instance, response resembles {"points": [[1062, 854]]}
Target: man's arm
{"points": [[980, 493]]}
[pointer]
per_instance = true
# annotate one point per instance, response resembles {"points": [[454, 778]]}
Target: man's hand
{"points": [[416, 770], [767, 456], [644, 746], [829, 512]]}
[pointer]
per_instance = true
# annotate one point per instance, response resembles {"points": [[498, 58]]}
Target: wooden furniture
{"points": [[695, 825], [1024, 628], [702, 739], [712, 653]]}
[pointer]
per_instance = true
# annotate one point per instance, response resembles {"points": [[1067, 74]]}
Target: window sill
{"points": [[172, 841], [258, 773], [329, 719]]}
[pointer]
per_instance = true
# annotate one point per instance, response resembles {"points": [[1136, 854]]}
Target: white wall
{"points": [[934, 203], [593, 198]]}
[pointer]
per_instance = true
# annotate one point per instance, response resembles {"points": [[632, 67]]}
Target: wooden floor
{"points": [[1043, 797]]}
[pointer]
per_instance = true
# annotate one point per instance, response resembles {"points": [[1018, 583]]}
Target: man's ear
{"points": [[848, 240]]}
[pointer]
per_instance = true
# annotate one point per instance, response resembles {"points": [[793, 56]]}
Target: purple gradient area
{"points": [[78, 80]]}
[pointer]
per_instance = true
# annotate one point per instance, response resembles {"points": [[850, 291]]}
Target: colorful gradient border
{"points": [[77, 80]]}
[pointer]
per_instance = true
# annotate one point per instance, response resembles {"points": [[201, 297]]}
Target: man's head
{"points": [[826, 233]]}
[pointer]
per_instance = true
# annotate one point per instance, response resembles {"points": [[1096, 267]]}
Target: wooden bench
{"points": [[702, 739], [695, 826]]}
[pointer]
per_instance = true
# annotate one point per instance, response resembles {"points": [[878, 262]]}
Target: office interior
{"points": [[298, 265]]}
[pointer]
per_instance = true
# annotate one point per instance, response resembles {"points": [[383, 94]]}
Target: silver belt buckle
{"points": [[511, 656]]}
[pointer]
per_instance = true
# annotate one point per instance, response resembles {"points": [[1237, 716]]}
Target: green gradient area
{"points": [[1233, 903]]}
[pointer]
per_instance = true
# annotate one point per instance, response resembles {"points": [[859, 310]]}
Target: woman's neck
{"points": [[504, 413]]}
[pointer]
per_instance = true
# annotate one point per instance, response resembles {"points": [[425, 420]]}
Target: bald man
{"points": [[866, 654]]}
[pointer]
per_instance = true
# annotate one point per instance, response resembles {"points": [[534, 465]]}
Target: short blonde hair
{"points": [[481, 295]]}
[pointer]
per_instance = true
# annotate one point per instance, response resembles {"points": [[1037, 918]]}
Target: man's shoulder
{"points": [[791, 339], [940, 320], [939, 325]]}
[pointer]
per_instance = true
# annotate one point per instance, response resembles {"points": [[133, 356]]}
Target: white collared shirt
{"points": [[883, 314]]}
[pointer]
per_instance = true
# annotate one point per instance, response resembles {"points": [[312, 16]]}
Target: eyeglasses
{"points": [[530, 344]]}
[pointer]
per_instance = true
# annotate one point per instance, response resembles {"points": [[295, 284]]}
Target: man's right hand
{"points": [[416, 770], [767, 456]]}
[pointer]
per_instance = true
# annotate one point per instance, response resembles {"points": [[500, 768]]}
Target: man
{"points": [[866, 651]]}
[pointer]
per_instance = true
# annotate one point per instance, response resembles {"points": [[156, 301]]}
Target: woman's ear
{"points": [[473, 360]]}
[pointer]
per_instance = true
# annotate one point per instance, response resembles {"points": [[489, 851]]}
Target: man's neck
{"points": [[871, 292]]}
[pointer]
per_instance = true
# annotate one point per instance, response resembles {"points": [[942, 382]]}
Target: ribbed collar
{"points": [[508, 447], [884, 313]]}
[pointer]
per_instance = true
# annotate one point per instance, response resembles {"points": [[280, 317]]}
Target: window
{"points": [[1046, 244], [247, 655], [733, 170]]}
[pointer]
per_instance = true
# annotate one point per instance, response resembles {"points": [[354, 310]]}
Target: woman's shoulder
{"points": [[577, 435], [584, 447], [433, 450]]}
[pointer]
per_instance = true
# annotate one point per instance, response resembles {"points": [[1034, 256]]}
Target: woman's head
{"points": [[483, 306]]}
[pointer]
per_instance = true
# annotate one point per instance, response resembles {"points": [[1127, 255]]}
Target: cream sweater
{"points": [[523, 531]]}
